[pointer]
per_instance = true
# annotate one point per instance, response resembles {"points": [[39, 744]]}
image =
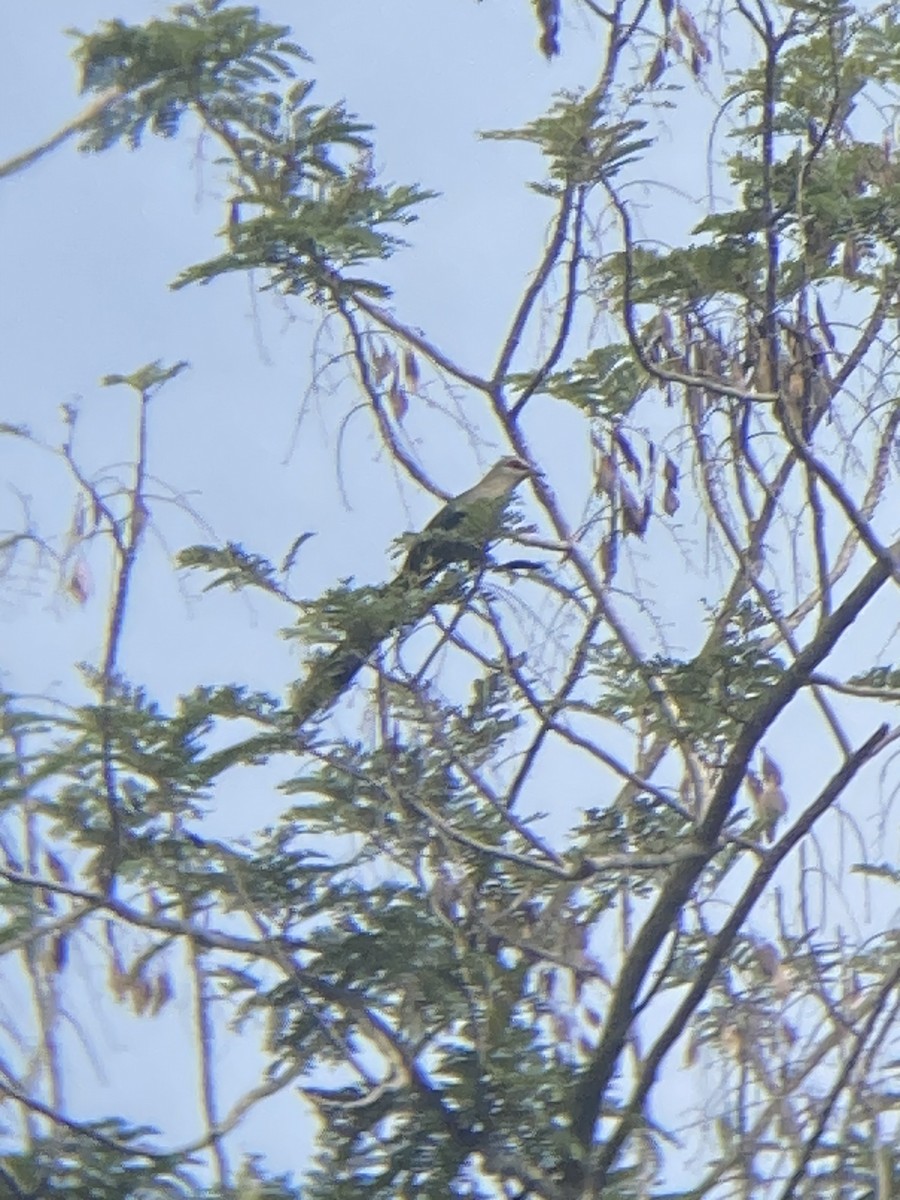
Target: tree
{"points": [[576, 840]]}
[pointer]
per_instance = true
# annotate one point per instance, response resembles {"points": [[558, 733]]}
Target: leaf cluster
{"points": [[94, 1163], [233, 566], [731, 264], [606, 382], [580, 141], [162, 67], [160, 766], [304, 202], [303, 242], [715, 694]]}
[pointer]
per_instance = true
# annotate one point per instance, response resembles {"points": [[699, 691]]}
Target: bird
{"points": [[458, 534], [460, 531]]}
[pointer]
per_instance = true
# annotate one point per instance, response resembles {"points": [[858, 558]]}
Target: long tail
{"points": [[331, 674], [327, 678]]}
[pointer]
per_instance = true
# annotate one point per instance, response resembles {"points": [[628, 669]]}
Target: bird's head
{"points": [[506, 474]]}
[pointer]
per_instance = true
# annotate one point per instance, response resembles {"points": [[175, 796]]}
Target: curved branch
{"points": [[98, 105], [534, 289], [568, 313]]}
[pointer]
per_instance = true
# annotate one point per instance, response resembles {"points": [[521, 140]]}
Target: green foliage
{"points": [[353, 616], [158, 766], [884, 677], [731, 265], [147, 378], [834, 199], [392, 785], [85, 1164], [848, 195], [209, 49], [715, 694], [606, 382], [235, 567], [489, 718], [301, 243], [580, 142], [719, 691], [303, 171], [100, 1161]]}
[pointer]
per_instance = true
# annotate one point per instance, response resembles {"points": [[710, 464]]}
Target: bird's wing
{"points": [[448, 517]]}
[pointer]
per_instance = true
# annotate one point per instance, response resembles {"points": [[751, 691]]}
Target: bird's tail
{"points": [[327, 678]]}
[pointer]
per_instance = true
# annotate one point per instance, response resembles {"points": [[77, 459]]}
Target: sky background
{"points": [[88, 249]]}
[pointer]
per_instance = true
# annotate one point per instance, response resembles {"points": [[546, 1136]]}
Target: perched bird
{"points": [[458, 534], [460, 531]]}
